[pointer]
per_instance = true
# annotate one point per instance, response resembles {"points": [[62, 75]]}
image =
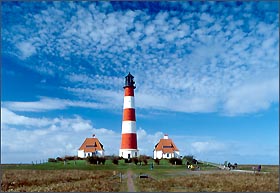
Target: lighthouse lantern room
{"points": [[129, 138]]}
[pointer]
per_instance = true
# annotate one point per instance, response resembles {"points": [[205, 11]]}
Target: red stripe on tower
{"points": [[129, 114], [128, 91], [129, 138]]}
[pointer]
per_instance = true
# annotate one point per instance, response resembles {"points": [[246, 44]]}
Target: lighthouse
{"points": [[129, 138]]}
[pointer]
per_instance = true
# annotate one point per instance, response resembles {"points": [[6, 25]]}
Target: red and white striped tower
{"points": [[129, 138]]}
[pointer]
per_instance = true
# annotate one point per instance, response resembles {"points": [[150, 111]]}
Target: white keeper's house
{"points": [[91, 147], [166, 148]]}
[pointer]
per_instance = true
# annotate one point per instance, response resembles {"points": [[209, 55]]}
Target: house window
{"points": [[88, 154], [167, 155], [128, 156], [135, 154], [85, 154]]}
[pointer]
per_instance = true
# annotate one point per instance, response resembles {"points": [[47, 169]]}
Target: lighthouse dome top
{"points": [[129, 81]]}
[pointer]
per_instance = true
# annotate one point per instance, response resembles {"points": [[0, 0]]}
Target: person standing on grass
{"points": [[259, 168], [152, 166]]}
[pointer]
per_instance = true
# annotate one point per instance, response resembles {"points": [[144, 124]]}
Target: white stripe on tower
{"points": [[128, 102], [128, 127]]}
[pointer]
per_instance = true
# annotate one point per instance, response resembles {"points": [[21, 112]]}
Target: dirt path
{"points": [[130, 184]]}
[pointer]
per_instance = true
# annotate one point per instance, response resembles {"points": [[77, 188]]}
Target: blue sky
{"points": [[207, 74]]}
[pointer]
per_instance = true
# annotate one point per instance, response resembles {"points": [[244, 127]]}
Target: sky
{"points": [[206, 73]]}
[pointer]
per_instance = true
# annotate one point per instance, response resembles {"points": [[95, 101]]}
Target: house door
{"points": [[128, 156]]}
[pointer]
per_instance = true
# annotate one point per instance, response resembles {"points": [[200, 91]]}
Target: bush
{"points": [[145, 161], [175, 161], [127, 160], [51, 160], [68, 158], [135, 160], [96, 160], [195, 161], [92, 159], [157, 161], [120, 158], [190, 159], [115, 161], [144, 158], [59, 159], [102, 160]]}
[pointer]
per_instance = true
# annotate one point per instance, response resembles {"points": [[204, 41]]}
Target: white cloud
{"points": [[253, 96], [48, 138], [9, 117], [206, 147], [181, 56], [27, 49], [80, 126], [147, 142], [46, 104], [42, 105], [63, 136]]}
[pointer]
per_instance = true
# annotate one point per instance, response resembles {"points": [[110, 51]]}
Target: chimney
{"points": [[165, 136]]}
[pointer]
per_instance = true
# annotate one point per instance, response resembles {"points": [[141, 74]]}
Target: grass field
{"points": [[59, 181], [216, 182], [82, 177]]}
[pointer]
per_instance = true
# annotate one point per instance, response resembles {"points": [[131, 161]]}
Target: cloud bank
{"points": [[185, 57], [40, 138]]}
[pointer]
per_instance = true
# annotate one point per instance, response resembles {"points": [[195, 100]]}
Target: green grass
{"points": [[83, 165]]}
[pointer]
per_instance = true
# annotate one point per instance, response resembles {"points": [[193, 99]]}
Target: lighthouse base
{"points": [[129, 153]]}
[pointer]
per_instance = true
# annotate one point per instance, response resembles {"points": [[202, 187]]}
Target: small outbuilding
{"points": [[91, 147], [166, 148]]}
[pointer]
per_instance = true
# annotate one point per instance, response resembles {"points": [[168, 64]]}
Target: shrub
{"points": [[115, 161], [102, 160], [145, 161], [144, 158], [175, 161], [127, 160], [67, 157], [96, 160], [157, 161], [195, 161], [120, 158], [92, 159], [135, 160], [190, 159], [59, 159], [51, 160]]}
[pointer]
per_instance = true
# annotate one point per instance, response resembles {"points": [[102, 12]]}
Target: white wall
{"points": [[170, 155], [81, 153], [157, 154], [160, 155], [124, 153]]}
